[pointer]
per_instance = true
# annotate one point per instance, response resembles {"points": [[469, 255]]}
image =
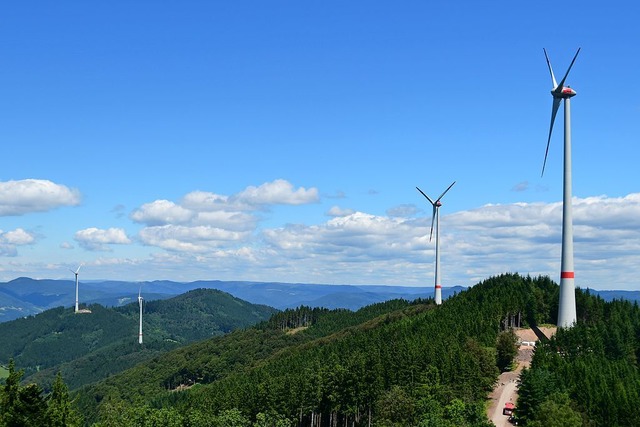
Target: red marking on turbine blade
{"points": [[438, 287], [567, 275]]}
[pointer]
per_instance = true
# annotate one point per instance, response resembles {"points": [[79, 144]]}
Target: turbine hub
{"points": [[565, 93], [438, 203]]}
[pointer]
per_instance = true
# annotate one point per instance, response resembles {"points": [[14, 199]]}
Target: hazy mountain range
{"points": [[25, 296]]}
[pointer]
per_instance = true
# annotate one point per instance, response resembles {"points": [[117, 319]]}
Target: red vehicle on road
{"points": [[508, 408]]}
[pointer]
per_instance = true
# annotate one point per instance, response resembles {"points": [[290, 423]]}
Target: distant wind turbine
{"points": [[76, 273], [436, 218], [567, 306], [140, 299]]}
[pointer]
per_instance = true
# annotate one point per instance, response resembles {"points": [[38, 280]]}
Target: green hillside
{"points": [[395, 363], [391, 364], [89, 347]]}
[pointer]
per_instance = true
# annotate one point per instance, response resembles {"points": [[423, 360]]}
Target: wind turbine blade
{"points": [[428, 198], [553, 78], [554, 111], [445, 191], [558, 88], [433, 218]]}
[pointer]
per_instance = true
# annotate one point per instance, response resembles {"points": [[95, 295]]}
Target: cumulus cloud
{"points": [[358, 236], [205, 201], [95, 239], [278, 192], [475, 244], [34, 195], [188, 239], [204, 221], [526, 237], [161, 212], [10, 240]]}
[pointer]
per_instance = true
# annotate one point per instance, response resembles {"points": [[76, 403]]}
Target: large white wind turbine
{"points": [[436, 218], [140, 299], [76, 273], [567, 307]]}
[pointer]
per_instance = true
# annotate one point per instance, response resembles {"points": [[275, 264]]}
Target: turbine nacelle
{"points": [[565, 93]]}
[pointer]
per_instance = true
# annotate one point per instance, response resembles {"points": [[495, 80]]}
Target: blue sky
{"points": [[282, 141]]}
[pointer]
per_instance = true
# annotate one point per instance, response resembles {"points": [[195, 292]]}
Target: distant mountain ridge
{"points": [[24, 296]]}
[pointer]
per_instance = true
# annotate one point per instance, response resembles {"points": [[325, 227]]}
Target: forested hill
{"points": [[587, 375], [394, 363], [88, 347]]}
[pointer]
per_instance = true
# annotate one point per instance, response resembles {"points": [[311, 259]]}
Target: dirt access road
{"points": [[506, 389]]}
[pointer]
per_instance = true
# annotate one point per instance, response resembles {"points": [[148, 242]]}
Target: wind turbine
{"points": [[76, 273], [140, 299], [567, 307], [436, 218]]}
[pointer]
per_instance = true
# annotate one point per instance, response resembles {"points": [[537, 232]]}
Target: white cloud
{"points": [[205, 220], [161, 212], [96, 239], [205, 201], [235, 221], [189, 239], [34, 195], [354, 237], [278, 192], [18, 237], [475, 244], [10, 240]]}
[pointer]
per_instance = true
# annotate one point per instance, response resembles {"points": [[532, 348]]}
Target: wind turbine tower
{"points": [[140, 299], [436, 218], [76, 273], [567, 307]]}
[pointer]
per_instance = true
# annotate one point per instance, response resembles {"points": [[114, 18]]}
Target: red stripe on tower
{"points": [[438, 286], [567, 275]]}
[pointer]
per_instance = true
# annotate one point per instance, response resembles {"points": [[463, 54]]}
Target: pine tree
{"points": [[9, 398], [507, 349], [60, 409]]}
